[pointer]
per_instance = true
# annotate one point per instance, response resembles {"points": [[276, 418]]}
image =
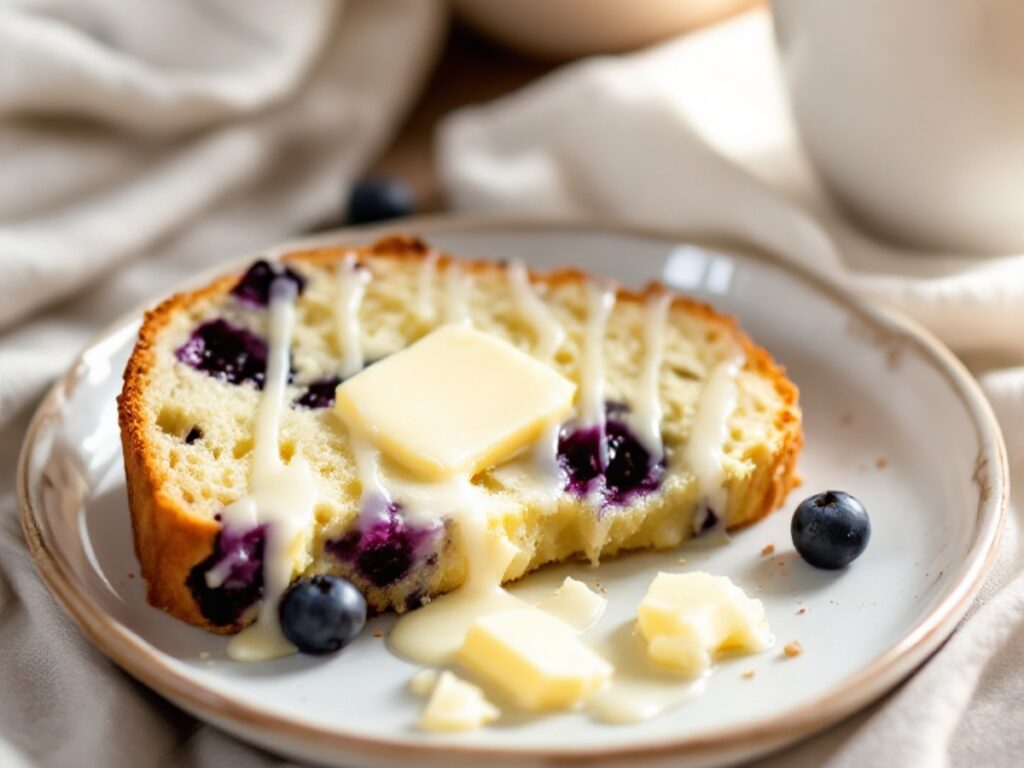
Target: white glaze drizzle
{"points": [[425, 295], [543, 459], [547, 330], [432, 634], [281, 496], [352, 282], [600, 300], [374, 497], [456, 295], [648, 408], [704, 453]]}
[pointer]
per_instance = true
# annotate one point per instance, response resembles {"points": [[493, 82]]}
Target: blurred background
{"points": [[878, 143]]}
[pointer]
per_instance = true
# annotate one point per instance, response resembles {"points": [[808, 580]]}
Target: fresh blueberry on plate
{"points": [[377, 198], [322, 614], [830, 530]]}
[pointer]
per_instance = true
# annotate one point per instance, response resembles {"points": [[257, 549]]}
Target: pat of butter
{"points": [[686, 618], [456, 705], [455, 402], [534, 658], [575, 604]]}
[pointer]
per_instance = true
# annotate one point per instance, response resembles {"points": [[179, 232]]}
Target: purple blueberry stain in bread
{"points": [[705, 519], [385, 550], [226, 352], [254, 286], [625, 470], [319, 394], [237, 557], [630, 471], [579, 456]]}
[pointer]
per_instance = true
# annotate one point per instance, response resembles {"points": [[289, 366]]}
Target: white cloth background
{"points": [[694, 135], [140, 145], [141, 142]]}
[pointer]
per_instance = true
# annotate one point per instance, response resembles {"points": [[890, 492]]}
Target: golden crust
{"points": [[170, 540]]}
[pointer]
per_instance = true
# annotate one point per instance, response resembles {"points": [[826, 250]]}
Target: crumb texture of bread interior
{"points": [[189, 436]]}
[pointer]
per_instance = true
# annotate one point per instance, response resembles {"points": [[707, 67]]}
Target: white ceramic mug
{"points": [[913, 113]]}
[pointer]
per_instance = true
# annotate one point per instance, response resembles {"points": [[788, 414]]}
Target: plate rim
{"points": [[121, 645]]}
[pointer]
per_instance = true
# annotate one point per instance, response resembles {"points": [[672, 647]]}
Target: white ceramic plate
{"points": [[890, 417]]}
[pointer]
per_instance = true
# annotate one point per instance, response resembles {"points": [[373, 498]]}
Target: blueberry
{"points": [[377, 198], [830, 530], [322, 614]]}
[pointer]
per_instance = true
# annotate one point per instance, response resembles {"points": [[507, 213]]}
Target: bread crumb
{"points": [[204, 654], [801, 612], [378, 634], [768, 550], [792, 650], [846, 419], [748, 675], [881, 463], [681, 560]]}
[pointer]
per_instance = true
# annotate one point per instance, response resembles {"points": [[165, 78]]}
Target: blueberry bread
{"points": [[662, 467]]}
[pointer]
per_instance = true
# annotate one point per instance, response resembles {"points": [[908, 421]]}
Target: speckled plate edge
{"points": [[727, 744]]}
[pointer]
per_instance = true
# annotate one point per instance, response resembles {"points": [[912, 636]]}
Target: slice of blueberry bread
{"points": [[695, 426]]}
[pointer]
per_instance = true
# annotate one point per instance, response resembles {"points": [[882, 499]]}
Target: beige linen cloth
{"points": [[143, 141], [140, 142], [694, 135]]}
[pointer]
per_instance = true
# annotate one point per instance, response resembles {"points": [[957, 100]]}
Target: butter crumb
{"points": [[792, 650], [423, 682], [748, 675], [456, 705], [768, 550]]}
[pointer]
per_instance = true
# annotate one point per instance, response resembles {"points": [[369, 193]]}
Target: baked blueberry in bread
{"points": [[680, 424]]}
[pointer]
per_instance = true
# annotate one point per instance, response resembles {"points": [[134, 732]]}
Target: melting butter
{"points": [[639, 690], [281, 496], [456, 401]]}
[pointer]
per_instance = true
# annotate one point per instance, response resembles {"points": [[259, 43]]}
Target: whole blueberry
{"points": [[322, 614], [831, 529], [377, 198]]}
